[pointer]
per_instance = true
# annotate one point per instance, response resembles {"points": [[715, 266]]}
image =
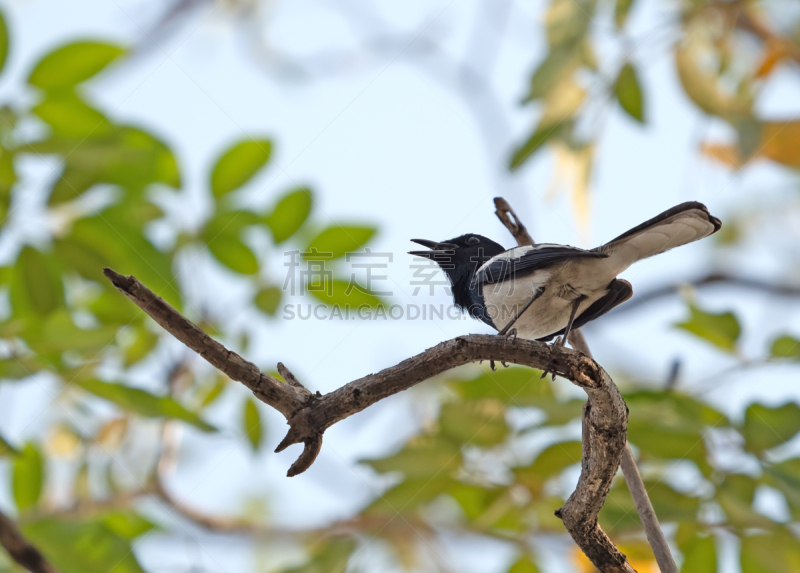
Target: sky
{"points": [[386, 140]]}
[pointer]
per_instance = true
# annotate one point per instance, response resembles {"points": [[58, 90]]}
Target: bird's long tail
{"points": [[674, 227]]}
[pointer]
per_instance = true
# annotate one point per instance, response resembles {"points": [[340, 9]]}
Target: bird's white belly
{"points": [[550, 312]]}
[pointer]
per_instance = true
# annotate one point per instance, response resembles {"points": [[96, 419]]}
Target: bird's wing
{"points": [[523, 261], [674, 227], [618, 292]]}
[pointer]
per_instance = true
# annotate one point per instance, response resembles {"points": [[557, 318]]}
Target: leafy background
{"points": [[193, 144]]}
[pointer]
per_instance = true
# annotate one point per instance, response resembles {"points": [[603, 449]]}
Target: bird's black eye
{"points": [[473, 241]]}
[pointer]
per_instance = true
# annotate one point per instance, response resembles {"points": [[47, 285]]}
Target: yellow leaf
{"points": [[572, 173], [780, 141], [727, 154], [112, 433], [63, 442], [702, 83], [563, 101]]}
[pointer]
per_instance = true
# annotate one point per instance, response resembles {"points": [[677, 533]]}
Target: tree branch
{"points": [[644, 507], [20, 549], [720, 279], [647, 515], [509, 218], [310, 415]]}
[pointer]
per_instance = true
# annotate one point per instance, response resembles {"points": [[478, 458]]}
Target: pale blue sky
{"points": [[389, 143]]}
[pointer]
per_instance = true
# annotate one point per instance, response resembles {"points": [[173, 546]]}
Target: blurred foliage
{"points": [[64, 321], [724, 55], [498, 457], [502, 480]]}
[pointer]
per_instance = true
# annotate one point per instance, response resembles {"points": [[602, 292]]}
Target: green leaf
{"points": [[72, 183], [36, 286], [8, 176], [234, 254], [145, 341], [238, 165], [268, 300], [339, 296], [7, 449], [675, 444], [126, 156], [560, 62], [108, 310], [251, 423], [475, 499], [423, 457], [126, 523], [289, 214], [785, 476], [541, 135], [3, 41], [524, 565], [144, 403], [329, 556], [735, 496], [621, 10], [476, 423], [71, 117], [109, 240], [786, 347], [778, 552], [222, 236], [722, 330], [766, 427], [27, 477], [232, 223], [73, 64], [568, 21], [549, 463], [699, 551], [628, 92], [82, 547], [59, 334], [209, 392], [338, 240], [406, 497], [673, 411], [19, 367], [619, 512], [513, 386], [559, 413]]}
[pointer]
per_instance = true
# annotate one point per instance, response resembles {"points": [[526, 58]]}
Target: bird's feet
{"points": [[511, 335]]}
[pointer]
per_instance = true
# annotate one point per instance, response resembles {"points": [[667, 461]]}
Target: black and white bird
{"points": [[541, 291]]}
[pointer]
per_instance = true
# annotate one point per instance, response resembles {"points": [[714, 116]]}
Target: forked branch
{"points": [[309, 415]]}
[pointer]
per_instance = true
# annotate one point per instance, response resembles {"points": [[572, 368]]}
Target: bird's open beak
{"points": [[436, 249]]}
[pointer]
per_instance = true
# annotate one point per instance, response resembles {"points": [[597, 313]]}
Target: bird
{"points": [[545, 290]]}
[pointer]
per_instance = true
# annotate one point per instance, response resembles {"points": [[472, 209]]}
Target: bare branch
{"points": [[310, 415], [719, 279], [633, 479], [292, 379], [20, 549], [647, 514], [283, 397], [509, 218]]}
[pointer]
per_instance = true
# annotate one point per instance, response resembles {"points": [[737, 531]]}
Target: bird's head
{"points": [[460, 257]]}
